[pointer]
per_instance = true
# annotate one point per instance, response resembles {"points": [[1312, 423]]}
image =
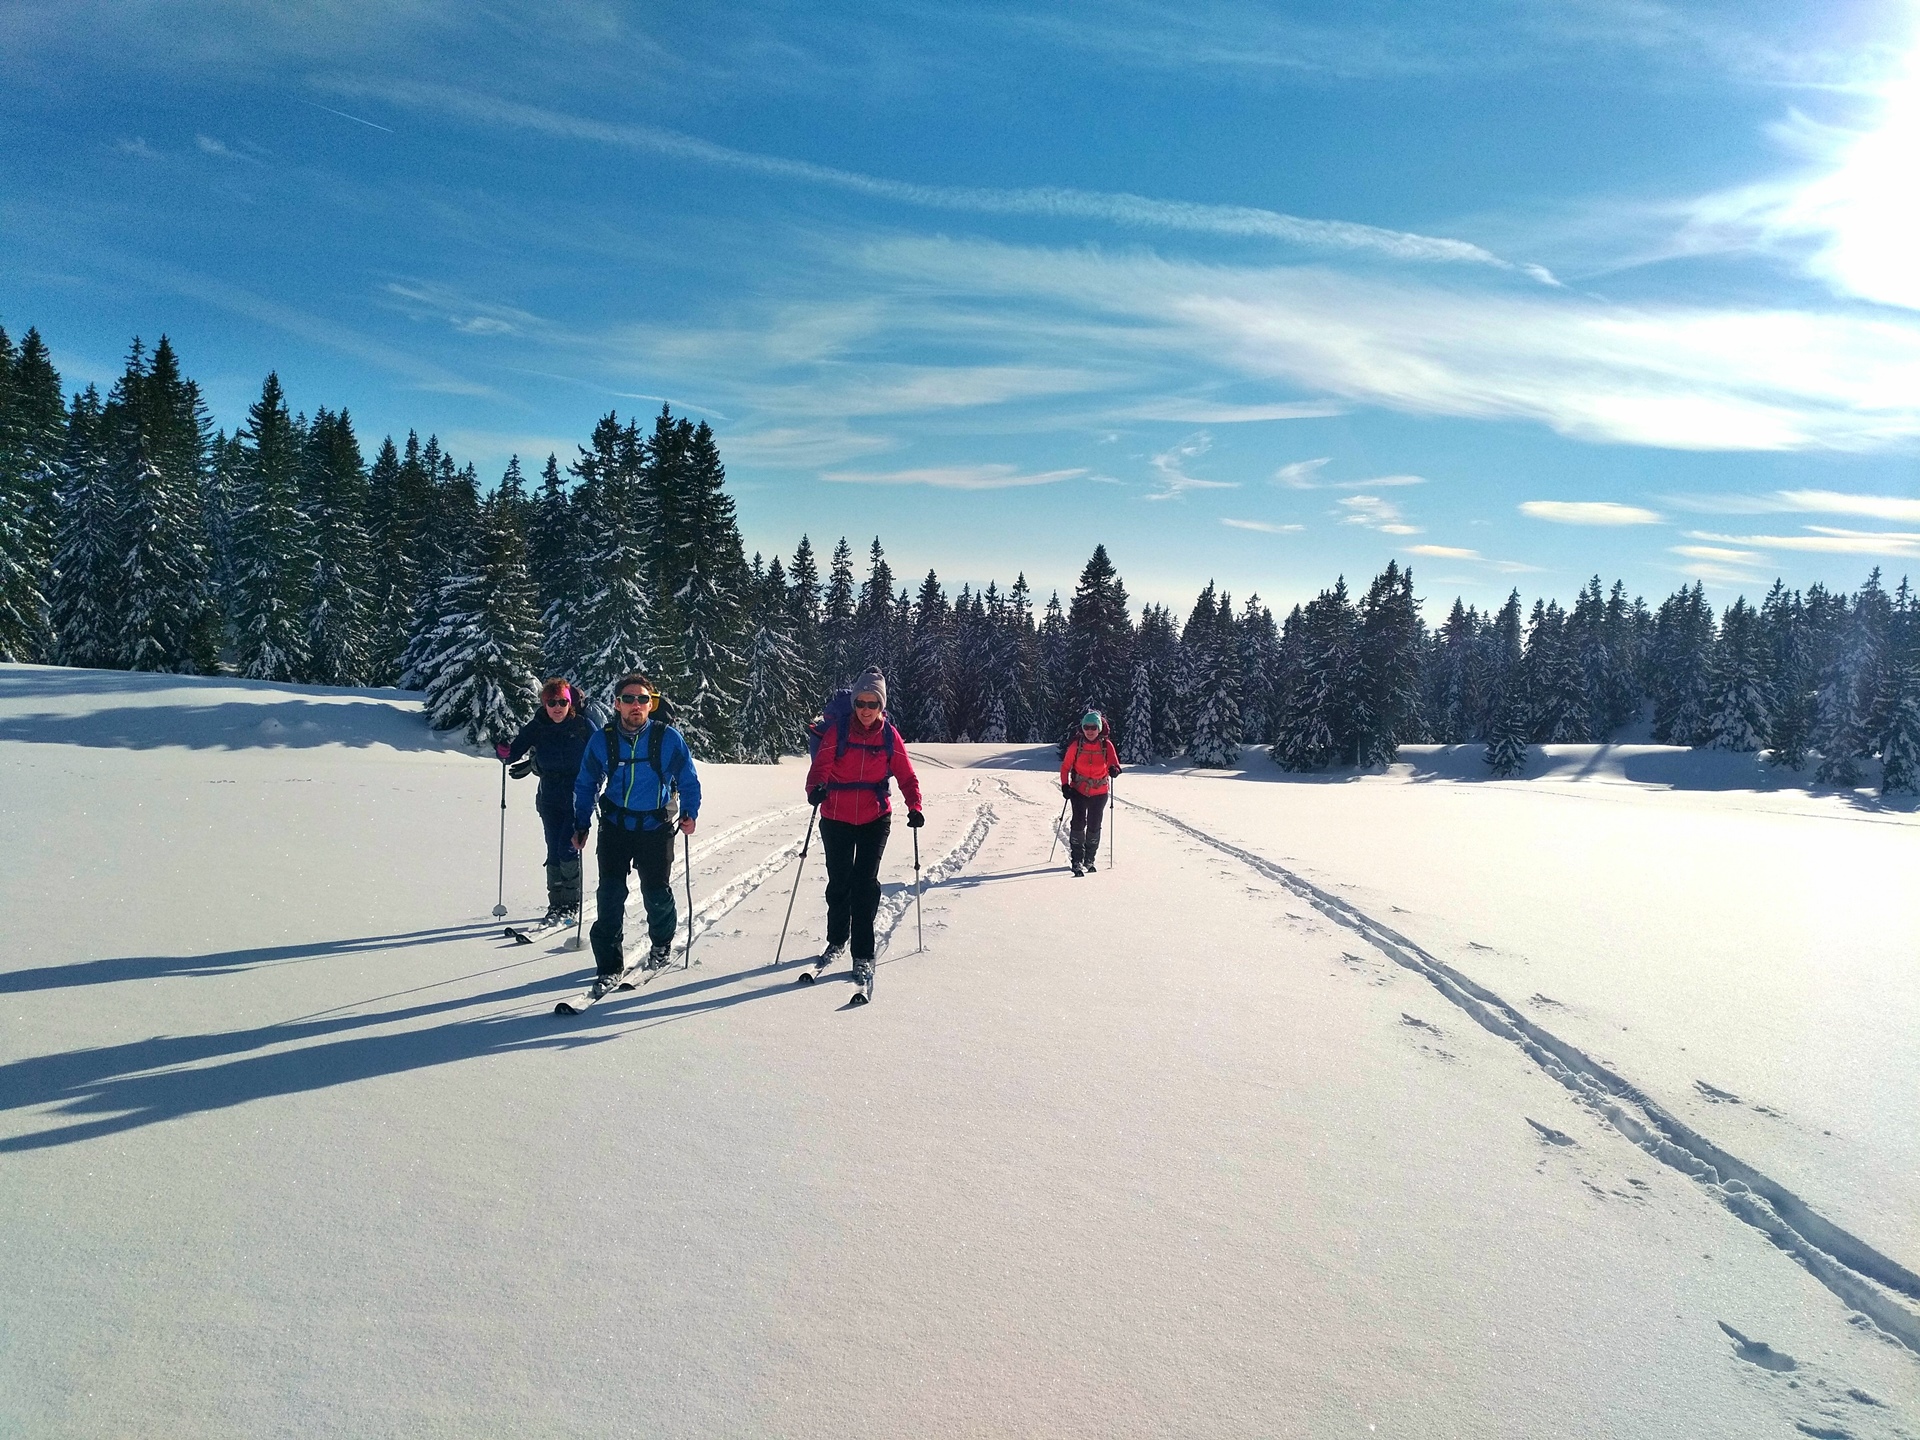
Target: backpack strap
{"points": [[662, 814]]}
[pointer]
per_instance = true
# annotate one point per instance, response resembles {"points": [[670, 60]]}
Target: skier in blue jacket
{"points": [[649, 762]]}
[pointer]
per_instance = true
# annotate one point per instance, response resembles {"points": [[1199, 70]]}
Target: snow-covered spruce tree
{"points": [[1453, 677], [33, 430], [917, 696], [447, 547], [271, 554], [1504, 651], [1739, 720], [1900, 742], [84, 596], [616, 626], [397, 498], [1137, 749], [836, 621], [1318, 726], [1215, 741], [339, 615], [1679, 665], [1017, 663], [1790, 700], [708, 575], [1390, 642], [553, 560], [159, 442], [1158, 643], [803, 607], [1507, 744], [481, 677], [1099, 643], [1259, 671], [968, 685], [875, 624], [1050, 678], [776, 704], [1553, 677], [1850, 690]]}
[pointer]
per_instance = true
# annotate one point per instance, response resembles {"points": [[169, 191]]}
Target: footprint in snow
{"points": [[1716, 1095], [1758, 1352], [1549, 1134]]}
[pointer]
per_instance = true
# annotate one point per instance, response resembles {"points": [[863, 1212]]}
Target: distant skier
{"points": [[1086, 773], [649, 762], [857, 752], [552, 743]]}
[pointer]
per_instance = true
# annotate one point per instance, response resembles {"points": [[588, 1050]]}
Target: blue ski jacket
{"points": [[633, 785]]}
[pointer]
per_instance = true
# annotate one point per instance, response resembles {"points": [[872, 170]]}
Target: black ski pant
{"points": [[1084, 829], [651, 853], [853, 880]]}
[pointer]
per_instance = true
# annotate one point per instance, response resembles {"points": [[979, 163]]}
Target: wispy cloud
{"points": [[422, 300], [1305, 475], [1200, 412], [1719, 554], [209, 145], [1374, 513], [954, 477], [1679, 377], [1833, 502], [345, 116], [1444, 552], [804, 447], [1587, 512], [137, 147], [1059, 202], [1826, 540], [1265, 527], [1171, 465]]}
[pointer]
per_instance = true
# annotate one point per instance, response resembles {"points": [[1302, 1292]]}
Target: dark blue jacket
{"points": [[557, 748], [634, 786]]}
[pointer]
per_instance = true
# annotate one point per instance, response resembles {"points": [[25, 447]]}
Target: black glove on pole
{"points": [[796, 886], [686, 962], [500, 904]]}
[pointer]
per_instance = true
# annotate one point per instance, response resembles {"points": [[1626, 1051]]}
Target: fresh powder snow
{"points": [[1407, 1103]]}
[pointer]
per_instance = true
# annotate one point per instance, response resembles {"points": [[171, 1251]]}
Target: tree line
{"points": [[134, 535]]}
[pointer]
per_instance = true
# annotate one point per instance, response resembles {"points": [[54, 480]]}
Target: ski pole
{"points": [[1056, 831], [804, 844], [580, 915], [1113, 812], [686, 962], [500, 904], [920, 933]]}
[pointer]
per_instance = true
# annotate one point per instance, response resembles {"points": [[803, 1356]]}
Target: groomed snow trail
{"points": [[1845, 1264]]}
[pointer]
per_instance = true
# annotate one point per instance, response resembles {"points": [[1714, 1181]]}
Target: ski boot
{"points": [[603, 984], [658, 957], [863, 973], [1091, 867], [1074, 855]]}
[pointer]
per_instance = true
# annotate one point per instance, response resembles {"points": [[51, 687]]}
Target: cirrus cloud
{"points": [[954, 477], [1588, 512]]}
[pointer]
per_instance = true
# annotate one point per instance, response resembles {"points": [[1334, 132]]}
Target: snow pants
{"points": [[563, 862], [1083, 831], [651, 853], [853, 880]]}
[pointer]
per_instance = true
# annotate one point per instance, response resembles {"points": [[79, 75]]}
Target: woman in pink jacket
{"points": [[859, 755]]}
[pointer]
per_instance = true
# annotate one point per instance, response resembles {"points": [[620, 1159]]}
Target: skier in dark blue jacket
{"points": [[650, 761], [550, 746]]}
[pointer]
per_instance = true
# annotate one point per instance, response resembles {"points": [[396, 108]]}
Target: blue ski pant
{"points": [[650, 852]]}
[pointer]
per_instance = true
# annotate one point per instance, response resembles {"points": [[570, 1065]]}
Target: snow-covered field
{"points": [[1331, 1109]]}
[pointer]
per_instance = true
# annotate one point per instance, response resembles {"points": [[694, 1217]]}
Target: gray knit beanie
{"points": [[872, 682]]}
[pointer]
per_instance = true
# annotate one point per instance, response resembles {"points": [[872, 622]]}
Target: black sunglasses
{"points": [[631, 699], [866, 704]]}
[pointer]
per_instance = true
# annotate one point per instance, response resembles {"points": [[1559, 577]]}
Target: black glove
{"points": [[817, 795], [915, 819], [522, 767], [1066, 791], [1113, 772]]}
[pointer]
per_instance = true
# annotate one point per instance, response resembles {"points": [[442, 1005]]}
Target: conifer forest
{"points": [[136, 536]]}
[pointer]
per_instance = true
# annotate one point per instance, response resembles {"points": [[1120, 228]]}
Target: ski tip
{"points": [[521, 938], [805, 977], [859, 999], [564, 1009]]}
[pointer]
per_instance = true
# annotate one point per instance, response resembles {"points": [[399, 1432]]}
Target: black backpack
{"points": [[669, 810]]}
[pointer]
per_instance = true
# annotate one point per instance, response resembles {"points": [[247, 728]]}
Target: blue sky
{"points": [[1514, 292]]}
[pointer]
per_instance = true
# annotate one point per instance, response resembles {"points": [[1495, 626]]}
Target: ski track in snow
{"points": [[894, 908], [1849, 1267]]}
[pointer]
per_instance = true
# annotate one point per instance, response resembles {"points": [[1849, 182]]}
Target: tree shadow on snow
{"points": [[286, 724]]}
